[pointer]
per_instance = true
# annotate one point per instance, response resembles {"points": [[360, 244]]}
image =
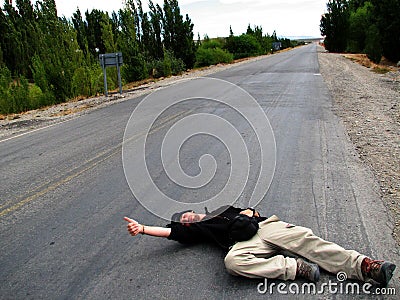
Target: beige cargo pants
{"points": [[259, 257]]}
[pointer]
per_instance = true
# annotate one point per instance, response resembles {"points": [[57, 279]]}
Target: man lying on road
{"points": [[259, 257]]}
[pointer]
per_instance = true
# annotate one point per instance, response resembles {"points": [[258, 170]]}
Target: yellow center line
{"points": [[53, 186]]}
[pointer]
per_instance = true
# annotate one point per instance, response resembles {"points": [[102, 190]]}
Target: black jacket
{"points": [[213, 228]]}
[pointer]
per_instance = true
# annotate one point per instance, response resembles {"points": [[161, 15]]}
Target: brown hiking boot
{"points": [[378, 270], [307, 270]]}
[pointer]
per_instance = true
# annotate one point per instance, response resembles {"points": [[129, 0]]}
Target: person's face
{"points": [[190, 217]]}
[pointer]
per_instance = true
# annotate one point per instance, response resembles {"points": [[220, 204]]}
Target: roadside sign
{"points": [[111, 60]]}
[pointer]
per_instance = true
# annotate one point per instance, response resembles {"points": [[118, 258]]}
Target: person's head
{"points": [[187, 217]]}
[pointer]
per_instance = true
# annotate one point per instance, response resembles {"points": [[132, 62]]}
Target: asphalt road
{"points": [[63, 195]]}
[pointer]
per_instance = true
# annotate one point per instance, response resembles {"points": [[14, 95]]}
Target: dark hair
{"points": [[176, 217]]}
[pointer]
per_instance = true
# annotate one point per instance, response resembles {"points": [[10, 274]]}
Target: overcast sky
{"points": [[213, 17]]}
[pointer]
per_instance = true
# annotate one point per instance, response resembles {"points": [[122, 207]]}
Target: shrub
{"points": [[96, 85], [20, 94], [39, 74], [15, 98], [97, 80], [5, 81], [211, 44], [5, 78], [373, 46], [243, 46], [169, 65], [212, 56], [81, 82], [88, 81], [36, 97], [134, 68]]}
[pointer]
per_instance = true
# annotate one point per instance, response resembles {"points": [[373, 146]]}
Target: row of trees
{"points": [[368, 26], [45, 59], [252, 43], [60, 56]]}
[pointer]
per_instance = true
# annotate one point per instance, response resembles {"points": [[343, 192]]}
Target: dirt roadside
{"points": [[368, 103]]}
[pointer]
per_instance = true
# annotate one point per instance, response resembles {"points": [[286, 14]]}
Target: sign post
{"points": [[111, 60]]}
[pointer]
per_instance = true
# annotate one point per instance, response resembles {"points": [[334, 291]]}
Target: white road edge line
{"points": [[34, 130]]}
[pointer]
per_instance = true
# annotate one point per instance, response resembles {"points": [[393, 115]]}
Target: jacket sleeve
{"points": [[186, 234]]}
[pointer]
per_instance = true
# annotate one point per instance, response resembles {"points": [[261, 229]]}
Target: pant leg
{"points": [[256, 259], [302, 241]]}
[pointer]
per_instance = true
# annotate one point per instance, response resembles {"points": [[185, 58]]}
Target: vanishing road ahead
{"points": [[63, 193]]}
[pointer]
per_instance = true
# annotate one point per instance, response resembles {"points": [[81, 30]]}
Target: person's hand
{"points": [[249, 212], [134, 228]]}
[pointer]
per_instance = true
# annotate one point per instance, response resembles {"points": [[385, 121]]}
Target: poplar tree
{"points": [[11, 40], [156, 17], [81, 30], [178, 34], [107, 35], [134, 67], [388, 25], [334, 25]]}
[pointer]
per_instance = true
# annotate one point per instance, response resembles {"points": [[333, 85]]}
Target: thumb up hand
{"points": [[134, 228]]}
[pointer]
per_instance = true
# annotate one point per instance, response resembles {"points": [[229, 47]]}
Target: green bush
{"points": [[176, 65], [112, 78], [81, 82], [36, 97], [212, 56], [211, 44], [96, 85], [88, 81], [167, 66], [20, 93], [18, 96], [112, 81], [243, 46], [5, 81], [15, 98], [135, 68], [373, 47], [39, 74], [5, 78]]}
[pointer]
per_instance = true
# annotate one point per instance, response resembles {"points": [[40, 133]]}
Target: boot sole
{"points": [[316, 274], [387, 269]]}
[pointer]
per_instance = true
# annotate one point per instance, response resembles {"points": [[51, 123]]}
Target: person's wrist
{"points": [[252, 209], [143, 230]]}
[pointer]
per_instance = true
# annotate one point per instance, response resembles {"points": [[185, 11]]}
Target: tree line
{"points": [[46, 59], [363, 26]]}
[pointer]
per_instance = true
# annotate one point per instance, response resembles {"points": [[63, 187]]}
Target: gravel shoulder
{"points": [[368, 105], [366, 102]]}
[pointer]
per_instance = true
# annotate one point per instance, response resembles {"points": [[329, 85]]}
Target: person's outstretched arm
{"points": [[135, 228]]}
